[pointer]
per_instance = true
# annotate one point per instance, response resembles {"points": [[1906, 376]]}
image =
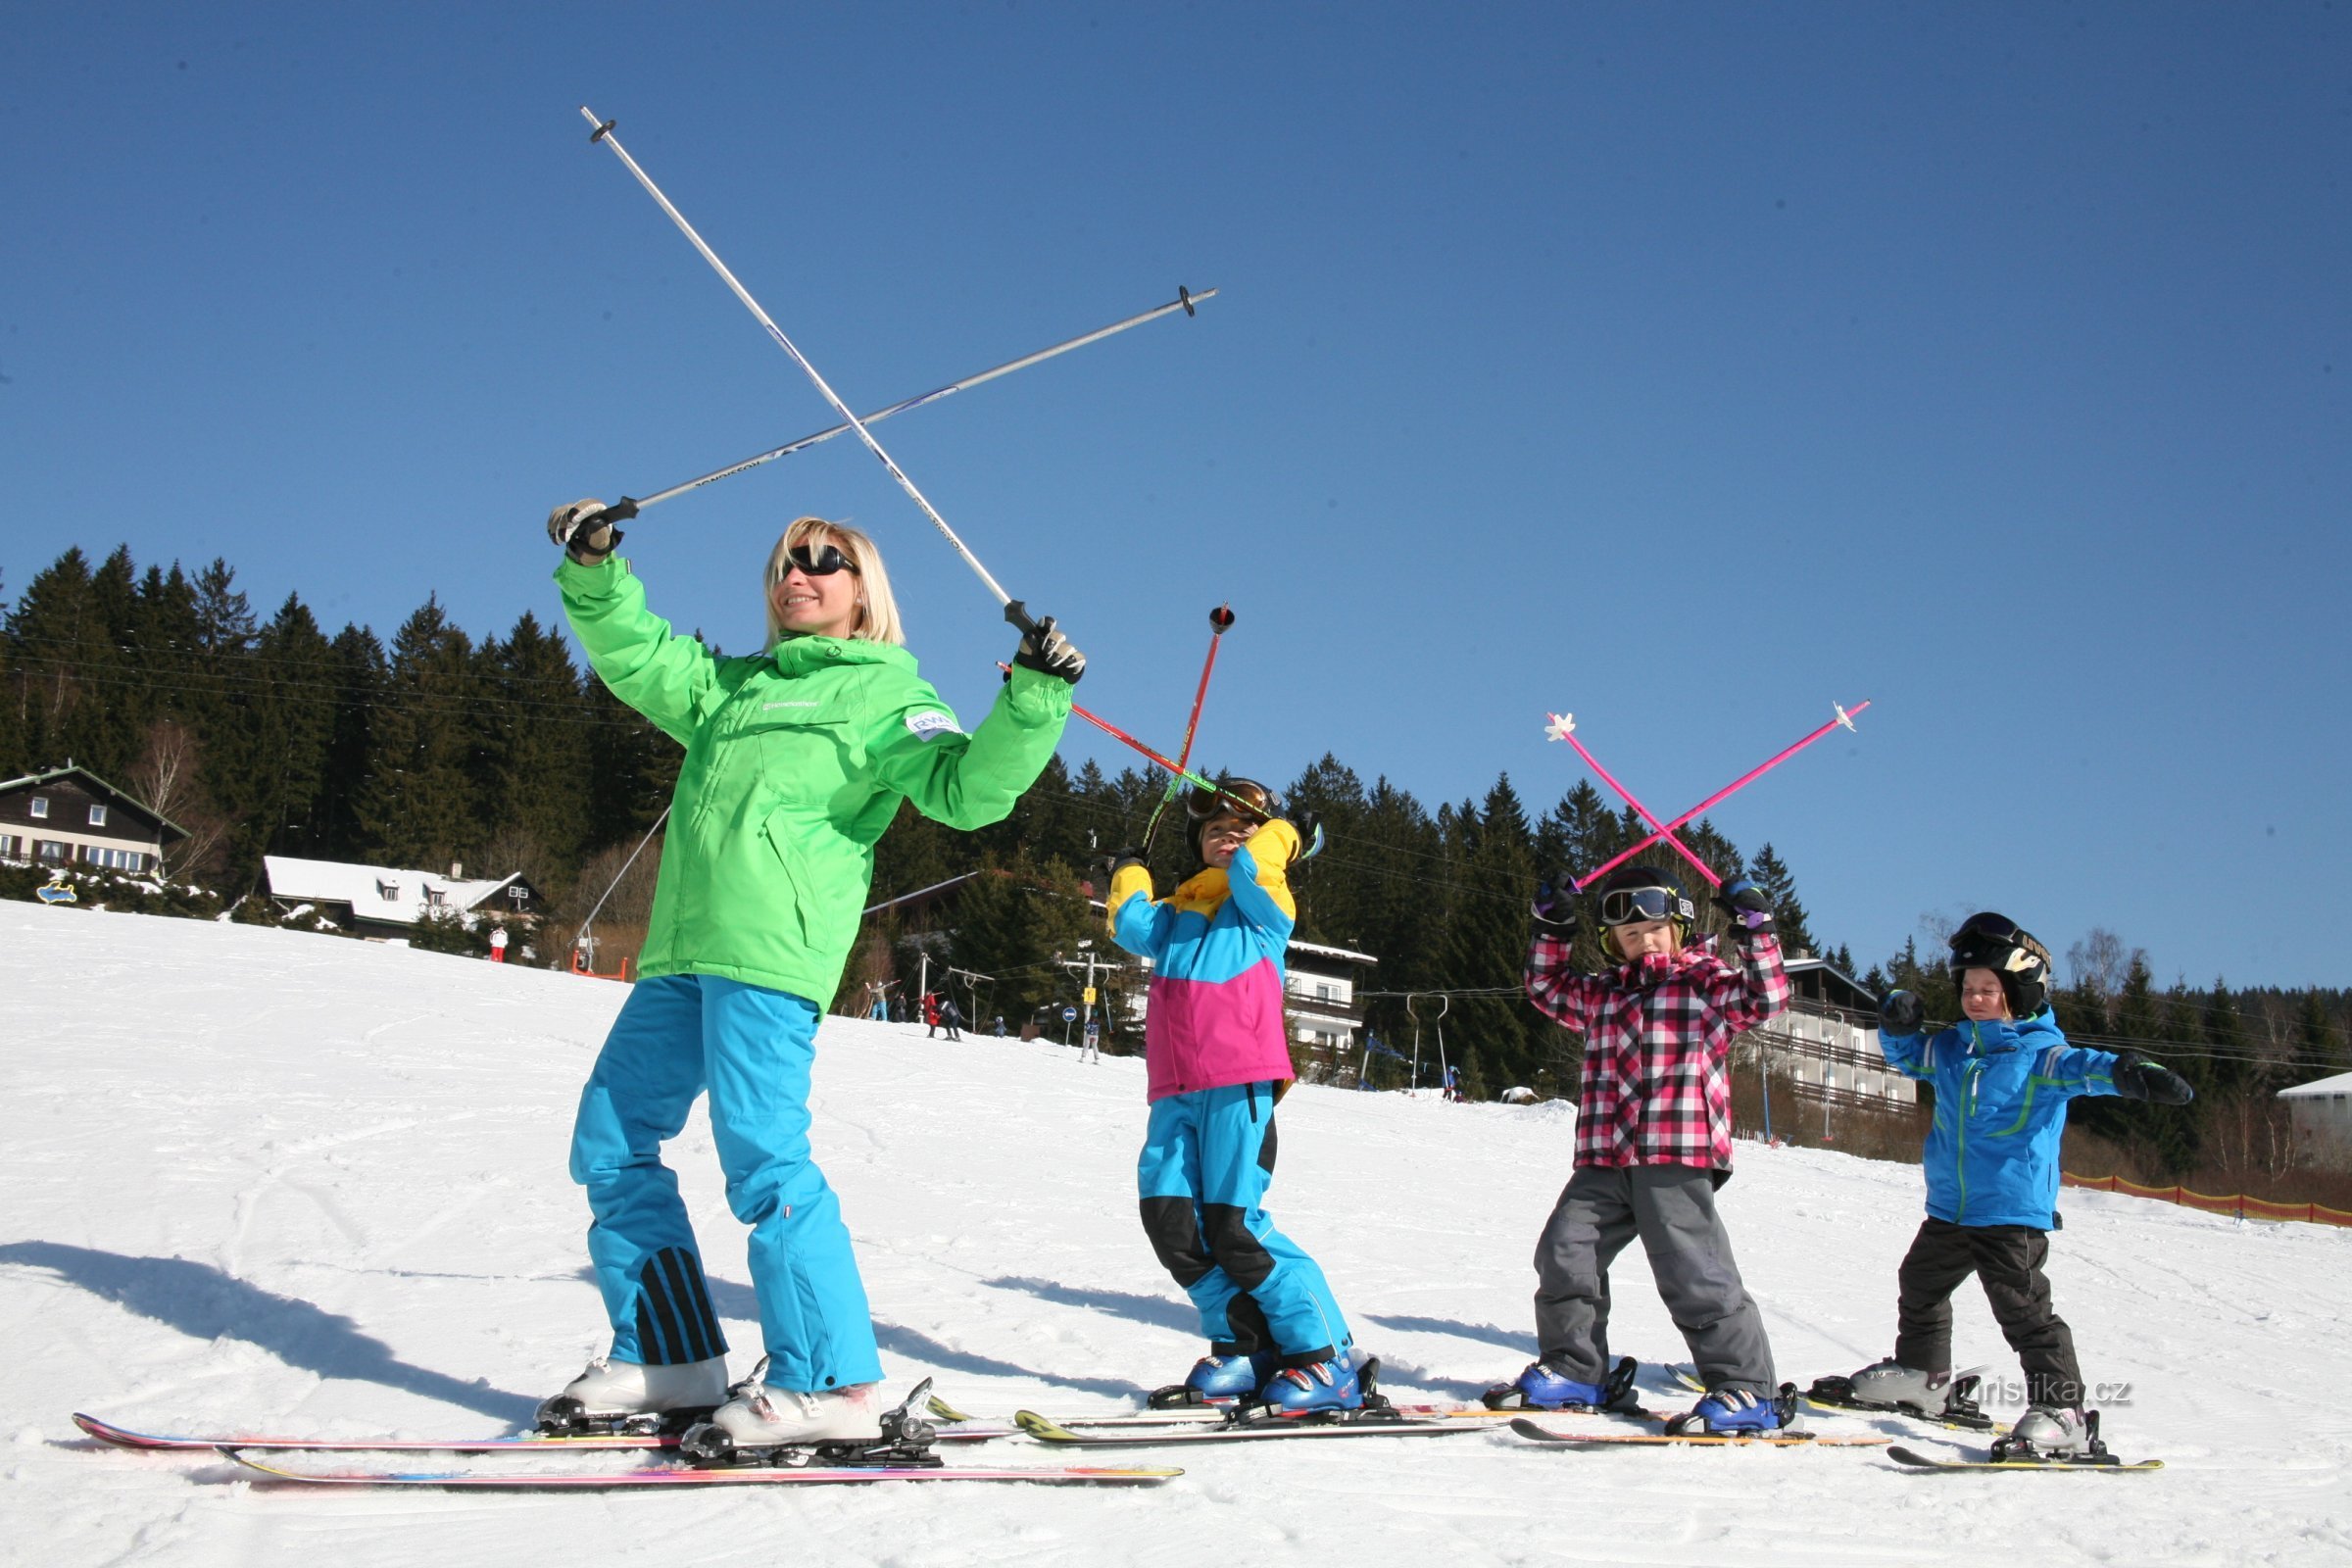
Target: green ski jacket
{"points": [[796, 761]]}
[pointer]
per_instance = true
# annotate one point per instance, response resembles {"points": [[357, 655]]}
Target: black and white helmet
{"points": [[2013, 953], [1633, 894]]}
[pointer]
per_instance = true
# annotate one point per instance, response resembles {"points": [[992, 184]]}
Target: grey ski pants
{"points": [[1672, 1208]]}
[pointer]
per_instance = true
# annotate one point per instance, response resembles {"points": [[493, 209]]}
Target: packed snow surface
{"points": [[260, 1180]]}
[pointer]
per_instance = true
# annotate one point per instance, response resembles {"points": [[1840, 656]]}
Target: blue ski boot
{"points": [[1218, 1378], [1544, 1387], [1739, 1413], [1326, 1385]]}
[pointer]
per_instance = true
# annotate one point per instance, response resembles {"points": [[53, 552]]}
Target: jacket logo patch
{"points": [[766, 706], [930, 724]]}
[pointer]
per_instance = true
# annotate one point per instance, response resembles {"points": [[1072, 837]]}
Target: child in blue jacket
{"points": [[2003, 1077]]}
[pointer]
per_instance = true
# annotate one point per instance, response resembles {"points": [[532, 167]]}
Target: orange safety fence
{"points": [[2237, 1203]]}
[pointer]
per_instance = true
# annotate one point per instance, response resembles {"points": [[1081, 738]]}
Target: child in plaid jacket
{"points": [[1653, 1142]]}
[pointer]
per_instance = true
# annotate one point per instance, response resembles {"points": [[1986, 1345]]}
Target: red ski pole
{"points": [[1844, 717], [1219, 620], [1563, 728]]}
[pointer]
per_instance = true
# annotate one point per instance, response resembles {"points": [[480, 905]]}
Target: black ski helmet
{"points": [[1234, 795], [2020, 961], [1674, 902]]}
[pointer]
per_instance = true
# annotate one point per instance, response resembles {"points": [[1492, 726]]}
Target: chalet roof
{"points": [[395, 894], [1322, 951], [2340, 1084], [113, 794]]}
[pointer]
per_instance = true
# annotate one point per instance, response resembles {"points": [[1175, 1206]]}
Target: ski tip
{"points": [[1044, 1428], [946, 1412]]}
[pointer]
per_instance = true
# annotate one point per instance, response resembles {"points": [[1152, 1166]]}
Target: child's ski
{"points": [[1837, 1394], [123, 1437], [1272, 1427], [1186, 1415], [1912, 1459], [689, 1476], [1535, 1433], [519, 1443]]}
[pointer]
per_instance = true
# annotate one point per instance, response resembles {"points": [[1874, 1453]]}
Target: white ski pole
{"points": [[1014, 610], [628, 506]]}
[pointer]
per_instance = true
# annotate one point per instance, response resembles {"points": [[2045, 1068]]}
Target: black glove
{"points": [[586, 528], [2138, 1078], [1555, 905], [1047, 651], [1746, 903], [1310, 833], [1117, 861], [1902, 1014]]}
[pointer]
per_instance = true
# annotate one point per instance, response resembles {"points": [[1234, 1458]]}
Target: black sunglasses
{"points": [[820, 563]]}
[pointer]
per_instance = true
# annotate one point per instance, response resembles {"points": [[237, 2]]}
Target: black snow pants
{"points": [[2009, 1259]]}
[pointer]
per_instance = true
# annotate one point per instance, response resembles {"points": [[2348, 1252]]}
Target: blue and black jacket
{"points": [[2001, 1091]]}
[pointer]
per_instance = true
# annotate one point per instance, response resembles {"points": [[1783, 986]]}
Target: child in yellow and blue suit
{"points": [[1217, 1059]]}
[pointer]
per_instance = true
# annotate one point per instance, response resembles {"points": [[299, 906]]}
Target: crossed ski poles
{"points": [[1562, 727], [1014, 610]]}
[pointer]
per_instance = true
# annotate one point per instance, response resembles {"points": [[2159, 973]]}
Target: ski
{"points": [[1191, 1415], [1264, 1429], [518, 1443], [691, 1476], [124, 1438], [1535, 1433], [2102, 1464], [1837, 1394]]}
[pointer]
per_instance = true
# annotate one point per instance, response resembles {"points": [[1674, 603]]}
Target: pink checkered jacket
{"points": [[1658, 1038]]}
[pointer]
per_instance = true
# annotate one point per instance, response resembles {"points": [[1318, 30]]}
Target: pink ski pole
{"points": [[1845, 717], [1563, 728]]}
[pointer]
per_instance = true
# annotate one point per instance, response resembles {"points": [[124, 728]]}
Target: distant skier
{"points": [[1453, 1083], [2003, 1077], [1653, 1142], [996, 1026], [951, 1018], [930, 1014], [796, 761], [1216, 1060]]}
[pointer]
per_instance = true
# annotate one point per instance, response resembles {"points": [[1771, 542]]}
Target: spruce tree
{"points": [[1485, 944], [294, 665], [420, 806], [1773, 877]]}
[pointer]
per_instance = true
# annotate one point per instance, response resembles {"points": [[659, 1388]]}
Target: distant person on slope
{"points": [[1653, 1142], [2003, 1077], [1217, 1058], [796, 761]]}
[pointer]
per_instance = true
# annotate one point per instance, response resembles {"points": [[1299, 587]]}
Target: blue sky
{"points": [[1688, 367]]}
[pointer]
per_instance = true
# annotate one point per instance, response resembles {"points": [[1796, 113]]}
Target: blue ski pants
{"points": [[751, 1048], [1208, 1159]]}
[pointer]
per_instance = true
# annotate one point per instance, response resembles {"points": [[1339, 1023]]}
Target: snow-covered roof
{"points": [[2340, 1084], [1351, 954], [396, 895]]}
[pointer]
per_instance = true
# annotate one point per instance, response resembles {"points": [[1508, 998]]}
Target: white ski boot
{"points": [[626, 1396], [1892, 1383], [2052, 1433], [758, 1421]]}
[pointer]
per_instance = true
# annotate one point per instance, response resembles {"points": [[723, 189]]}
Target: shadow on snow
{"points": [[205, 1303]]}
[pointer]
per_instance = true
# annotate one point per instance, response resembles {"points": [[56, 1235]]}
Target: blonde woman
{"points": [[796, 761]]}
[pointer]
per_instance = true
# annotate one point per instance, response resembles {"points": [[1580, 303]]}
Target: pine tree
{"points": [[536, 769], [2319, 1044], [1773, 877], [361, 680], [294, 669], [1486, 943], [420, 806], [2224, 1035]]}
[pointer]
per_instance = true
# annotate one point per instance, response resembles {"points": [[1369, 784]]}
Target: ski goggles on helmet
{"points": [[1631, 905], [822, 562], [1997, 942], [1233, 797]]}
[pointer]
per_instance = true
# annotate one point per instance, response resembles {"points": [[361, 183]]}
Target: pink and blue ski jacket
{"points": [[1216, 947]]}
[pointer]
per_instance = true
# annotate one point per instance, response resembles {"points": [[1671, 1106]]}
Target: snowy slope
{"points": [[252, 1177]]}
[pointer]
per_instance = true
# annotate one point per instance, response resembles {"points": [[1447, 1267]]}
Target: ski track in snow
{"points": [[266, 1180]]}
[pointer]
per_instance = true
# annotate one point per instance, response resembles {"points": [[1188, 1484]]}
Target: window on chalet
{"points": [[97, 816], [39, 807]]}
